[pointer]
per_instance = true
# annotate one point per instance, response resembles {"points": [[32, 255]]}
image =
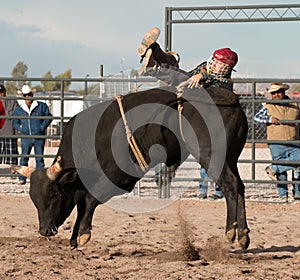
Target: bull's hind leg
{"points": [[231, 221], [242, 227], [231, 183], [243, 230], [227, 184]]}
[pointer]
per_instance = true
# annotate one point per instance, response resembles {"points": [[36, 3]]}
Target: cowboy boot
{"points": [[144, 50], [155, 57], [148, 63], [164, 57], [149, 38]]}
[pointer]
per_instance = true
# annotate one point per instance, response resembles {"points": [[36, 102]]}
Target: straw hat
{"points": [[277, 86]]}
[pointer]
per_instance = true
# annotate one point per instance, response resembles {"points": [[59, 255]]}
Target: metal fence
{"points": [[63, 104], [251, 91]]}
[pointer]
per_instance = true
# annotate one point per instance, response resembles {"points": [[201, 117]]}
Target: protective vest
{"points": [[288, 131]]}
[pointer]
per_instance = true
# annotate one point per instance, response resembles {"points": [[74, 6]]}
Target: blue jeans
{"points": [[283, 188], [38, 145], [203, 185], [286, 152]]}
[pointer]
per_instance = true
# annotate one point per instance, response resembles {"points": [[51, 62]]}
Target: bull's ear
{"points": [[23, 170], [54, 170], [69, 177]]}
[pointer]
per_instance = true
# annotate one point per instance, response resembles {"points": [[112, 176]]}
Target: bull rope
{"points": [[130, 138], [179, 93], [180, 109]]}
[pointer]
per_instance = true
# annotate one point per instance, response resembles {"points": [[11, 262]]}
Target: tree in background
{"points": [[295, 87], [53, 85], [134, 73], [48, 85], [66, 75], [19, 71]]}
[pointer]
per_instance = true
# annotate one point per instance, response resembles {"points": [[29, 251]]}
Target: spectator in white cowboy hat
{"points": [[8, 146], [272, 114], [30, 107]]}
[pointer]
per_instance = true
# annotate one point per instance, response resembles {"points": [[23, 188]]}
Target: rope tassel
{"points": [[130, 138]]}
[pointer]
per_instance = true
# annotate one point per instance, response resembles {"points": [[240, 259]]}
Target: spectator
{"points": [[203, 187], [31, 127], [216, 72], [273, 115], [8, 146], [2, 111]]}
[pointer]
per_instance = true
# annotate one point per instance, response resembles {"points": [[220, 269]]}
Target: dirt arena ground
{"points": [[182, 240]]}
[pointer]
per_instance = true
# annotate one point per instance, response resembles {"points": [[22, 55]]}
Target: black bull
{"points": [[95, 162]]}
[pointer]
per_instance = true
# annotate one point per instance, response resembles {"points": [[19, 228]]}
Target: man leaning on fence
{"points": [[31, 127], [274, 115]]}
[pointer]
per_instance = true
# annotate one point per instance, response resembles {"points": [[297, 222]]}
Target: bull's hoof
{"points": [[73, 243], [83, 239], [231, 234], [244, 239]]}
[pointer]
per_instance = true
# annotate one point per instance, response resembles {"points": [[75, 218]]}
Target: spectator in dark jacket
{"points": [[2, 111], [8, 146], [31, 127]]}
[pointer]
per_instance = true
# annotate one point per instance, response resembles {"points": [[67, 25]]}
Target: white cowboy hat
{"points": [[25, 89], [278, 86]]}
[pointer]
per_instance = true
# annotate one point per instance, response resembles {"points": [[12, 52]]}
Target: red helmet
{"points": [[226, 56]]}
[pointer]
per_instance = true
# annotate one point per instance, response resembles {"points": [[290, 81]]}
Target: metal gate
{"points": [[251, 164]]}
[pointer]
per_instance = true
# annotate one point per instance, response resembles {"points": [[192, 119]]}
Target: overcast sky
{"points": [[58, 35]]}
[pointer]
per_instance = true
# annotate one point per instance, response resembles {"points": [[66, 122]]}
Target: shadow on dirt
{"points": [[272, 249]]}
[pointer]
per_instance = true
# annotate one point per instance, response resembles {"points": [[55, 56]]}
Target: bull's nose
{"points": [[48, 231]]}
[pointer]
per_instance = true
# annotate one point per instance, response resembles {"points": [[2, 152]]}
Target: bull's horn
{"points": [[53, 171], [23, 170]]}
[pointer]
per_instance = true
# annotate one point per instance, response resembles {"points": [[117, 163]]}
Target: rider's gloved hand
{"points": [[194, 80]]}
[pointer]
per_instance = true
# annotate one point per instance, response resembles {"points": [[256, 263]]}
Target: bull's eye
{"points": [[54, 195]]}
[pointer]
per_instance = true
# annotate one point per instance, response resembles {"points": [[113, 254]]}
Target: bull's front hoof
{"points": [[48, 231], [231, 234], [83, 239], [73, 243], [244, 239]]}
